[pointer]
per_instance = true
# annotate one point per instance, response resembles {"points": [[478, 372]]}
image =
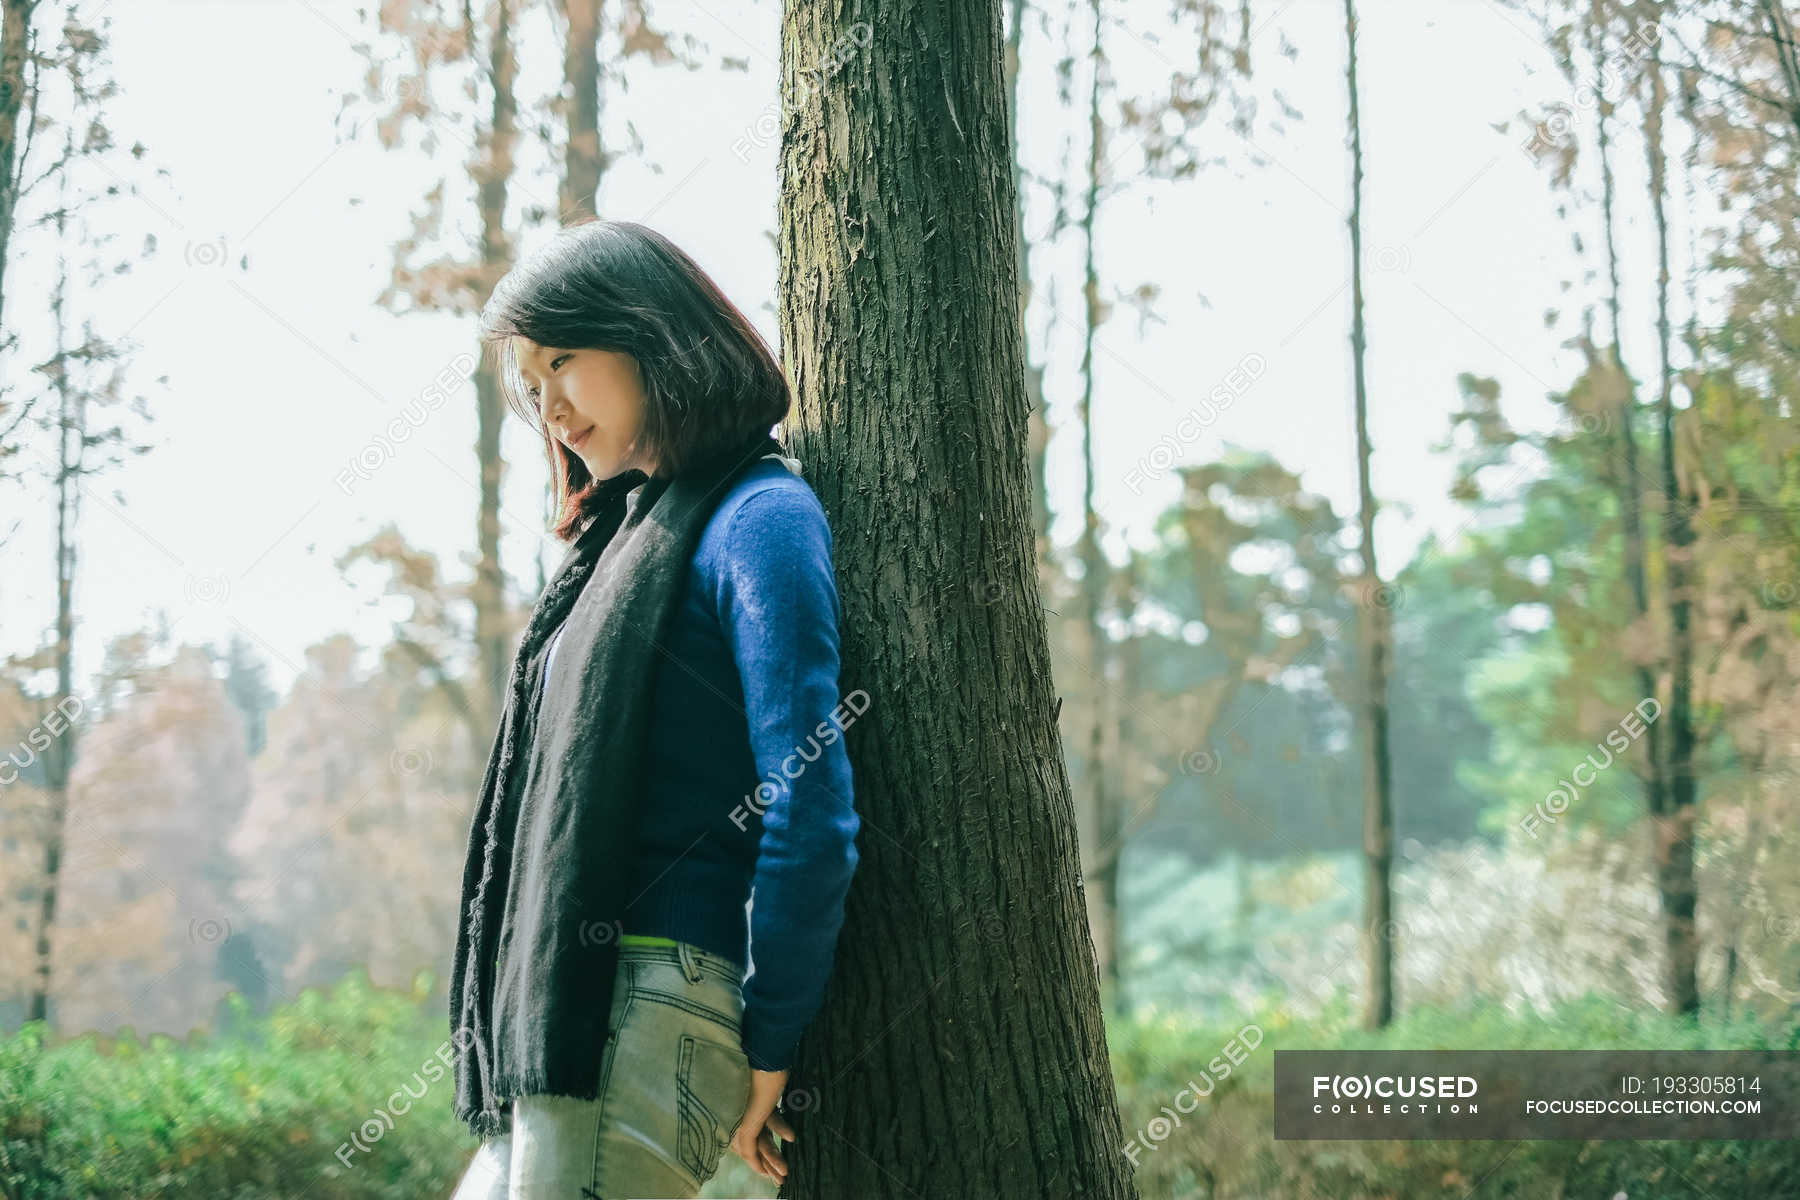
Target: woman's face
{"points": [[592, 401]]}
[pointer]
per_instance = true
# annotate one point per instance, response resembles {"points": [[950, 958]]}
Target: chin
{"points": [[605, 468]]}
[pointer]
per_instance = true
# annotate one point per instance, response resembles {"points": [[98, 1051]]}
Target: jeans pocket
{"points": [[712, 1093]]}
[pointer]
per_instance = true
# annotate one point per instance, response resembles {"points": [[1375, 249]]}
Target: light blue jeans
{"points": [[674, 1085]]}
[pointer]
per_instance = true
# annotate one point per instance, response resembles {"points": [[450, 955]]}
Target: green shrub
{"points": [[263, 1114]]}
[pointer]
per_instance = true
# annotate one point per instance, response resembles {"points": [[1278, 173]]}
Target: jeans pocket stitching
{"points": [[697, 1133], [702, 1138]]}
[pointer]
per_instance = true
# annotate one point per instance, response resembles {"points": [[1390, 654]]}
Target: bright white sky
{"points": [[280, 373]]}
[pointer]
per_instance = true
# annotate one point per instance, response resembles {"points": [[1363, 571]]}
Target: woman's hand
{"points": [[754, 1140]]}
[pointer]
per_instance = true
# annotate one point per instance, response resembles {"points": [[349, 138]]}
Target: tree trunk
{"points": [[1104, 901], [1675, 825], [1130, 781], [489, 592], [15, 28], [960, 1049], [1630, 501], [1372, 613], [582, 162], [59, 754]]}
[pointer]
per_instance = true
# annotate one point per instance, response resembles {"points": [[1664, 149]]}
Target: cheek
{"points": [[600, 403]]}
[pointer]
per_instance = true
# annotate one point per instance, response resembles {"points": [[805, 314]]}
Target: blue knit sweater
{"points": [[746, 840]]}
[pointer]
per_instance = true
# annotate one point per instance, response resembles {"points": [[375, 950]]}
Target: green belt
{"points": [[640, 939]]}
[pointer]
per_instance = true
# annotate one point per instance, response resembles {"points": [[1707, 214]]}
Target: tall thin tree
{"points": [[1674, 826], [495, 252], [59, 755], [1630, 486], [1102, 802], [1372, 605], [83, 375]]}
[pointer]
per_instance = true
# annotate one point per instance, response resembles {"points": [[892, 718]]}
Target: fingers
{"points": [[773, 1166], [759, 1152], [745, 1147]]}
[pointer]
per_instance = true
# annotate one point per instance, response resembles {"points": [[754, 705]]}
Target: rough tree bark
{"points": [[960, 1050]]}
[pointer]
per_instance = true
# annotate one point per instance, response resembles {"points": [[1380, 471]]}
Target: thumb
{"points": [[780, 1125]]}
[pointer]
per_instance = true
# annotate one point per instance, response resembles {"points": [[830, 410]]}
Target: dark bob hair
{"points": [[710, 381]]}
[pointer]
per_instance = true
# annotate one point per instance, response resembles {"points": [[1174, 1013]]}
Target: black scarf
{"points": [[550, 846]]}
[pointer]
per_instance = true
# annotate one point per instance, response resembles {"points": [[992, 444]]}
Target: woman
{"points": [[671, 743]]}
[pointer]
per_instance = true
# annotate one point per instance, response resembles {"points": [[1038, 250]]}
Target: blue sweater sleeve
{"points": [[778, 607]]}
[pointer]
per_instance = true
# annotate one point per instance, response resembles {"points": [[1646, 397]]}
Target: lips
{"points": [[576, 442]]}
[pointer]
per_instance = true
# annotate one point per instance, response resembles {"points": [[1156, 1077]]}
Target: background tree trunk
{"points": [[1372, 605], [492, 629], [15, 29], [1104, 810], [59, 755], [582, 162], [1674, 829], [1631, 485], [961, 1048]]}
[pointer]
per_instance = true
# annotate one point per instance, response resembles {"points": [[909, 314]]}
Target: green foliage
{"points": [[1533, 765], [1441, 628], [261, 1114]]}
